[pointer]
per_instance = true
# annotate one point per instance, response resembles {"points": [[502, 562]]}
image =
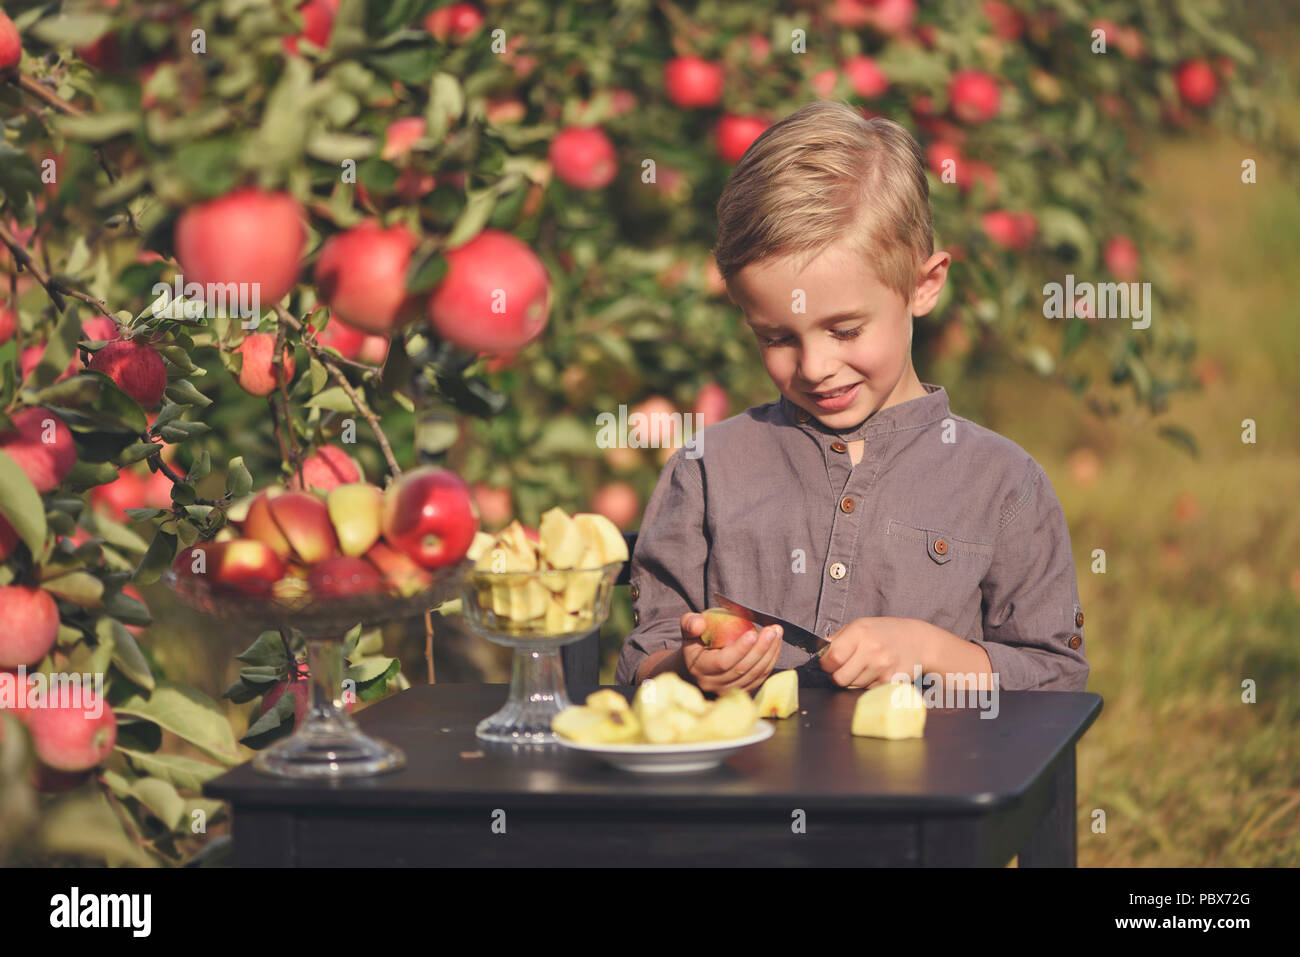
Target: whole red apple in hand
{"points": [[721, 628], [427, 515]]}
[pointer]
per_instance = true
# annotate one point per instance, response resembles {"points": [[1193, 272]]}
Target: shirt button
{"points": [[1078, 619], [1075, 641], [636, 617], [940, 547], [839, 447], [803, 415], [846, 505], [634, 592], [838, 571]]}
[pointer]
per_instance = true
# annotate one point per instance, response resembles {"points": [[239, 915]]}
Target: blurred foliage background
{"points": [[1104, 164]]}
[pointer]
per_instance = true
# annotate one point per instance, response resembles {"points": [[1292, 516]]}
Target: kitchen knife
{"points": [[798, 636]]}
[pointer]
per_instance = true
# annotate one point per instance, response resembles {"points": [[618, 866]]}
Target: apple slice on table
{"points": [[561, 539], [732, 716], [893, 711], [779, 696]]}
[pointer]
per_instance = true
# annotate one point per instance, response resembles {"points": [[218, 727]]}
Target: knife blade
{"points": [[796, 635]]}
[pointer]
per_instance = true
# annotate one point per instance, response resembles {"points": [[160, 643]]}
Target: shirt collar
{"points": [[911, 414]]}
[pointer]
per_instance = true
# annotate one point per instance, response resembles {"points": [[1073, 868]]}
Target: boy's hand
{"points": [[745, 663], [870, 651]]}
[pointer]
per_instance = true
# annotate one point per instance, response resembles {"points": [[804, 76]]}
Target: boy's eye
{"points": [[842, 334]]}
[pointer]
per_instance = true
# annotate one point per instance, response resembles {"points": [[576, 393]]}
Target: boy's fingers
{"points": [[747, 656], [848, 674]]}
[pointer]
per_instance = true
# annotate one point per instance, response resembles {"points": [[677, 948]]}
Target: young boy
{"points": [[856, 505]]}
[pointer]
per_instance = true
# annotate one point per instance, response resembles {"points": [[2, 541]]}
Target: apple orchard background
{"points": [[1097, 139]]}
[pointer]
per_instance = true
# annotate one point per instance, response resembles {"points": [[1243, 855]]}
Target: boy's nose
{"points": [[815, 366]]}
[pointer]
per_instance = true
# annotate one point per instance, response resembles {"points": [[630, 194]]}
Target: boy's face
{"points": [[854, 332]]}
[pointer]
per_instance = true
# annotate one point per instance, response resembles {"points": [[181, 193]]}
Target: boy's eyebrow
{"points": [[828, 320]]}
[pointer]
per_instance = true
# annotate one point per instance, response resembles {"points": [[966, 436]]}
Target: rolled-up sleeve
{"points": [[667, 578], [1033, 624]]}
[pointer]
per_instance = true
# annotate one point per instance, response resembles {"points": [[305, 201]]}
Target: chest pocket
{"points": [[927, 573]]}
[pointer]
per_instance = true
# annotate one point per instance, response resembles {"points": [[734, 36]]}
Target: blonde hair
{"points": [[824, 173]]}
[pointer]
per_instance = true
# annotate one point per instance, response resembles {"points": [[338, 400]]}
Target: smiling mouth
{"points": [[832, 395]]}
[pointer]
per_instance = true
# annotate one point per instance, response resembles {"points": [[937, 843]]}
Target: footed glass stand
{"points": [[327, 744], [537, 692]]}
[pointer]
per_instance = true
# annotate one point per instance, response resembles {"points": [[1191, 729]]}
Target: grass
{"points": [[1202, 587]]}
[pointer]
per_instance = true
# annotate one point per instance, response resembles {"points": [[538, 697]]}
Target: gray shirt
{"points": [[941, 520]]}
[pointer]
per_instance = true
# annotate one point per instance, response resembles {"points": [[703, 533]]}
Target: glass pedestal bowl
{"points": [[535, 613], [327, 743]]}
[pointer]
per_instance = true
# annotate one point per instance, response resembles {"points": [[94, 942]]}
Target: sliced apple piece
{"points": [[779, 696], [732, 716], [560, 538], [599, 530], [891, 711]]}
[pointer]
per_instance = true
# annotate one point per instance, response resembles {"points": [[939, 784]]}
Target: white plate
{"points": [[671, 758]]}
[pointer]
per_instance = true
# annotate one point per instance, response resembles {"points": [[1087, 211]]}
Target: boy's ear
{"points": [[934, 272]]}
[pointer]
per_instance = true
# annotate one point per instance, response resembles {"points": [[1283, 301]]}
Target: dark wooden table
{"points": [[975, 791]]}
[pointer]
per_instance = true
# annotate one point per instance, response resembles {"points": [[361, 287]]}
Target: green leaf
{"points": [[189, 714], [1182, 438], [59, 350], [160, 797], [73, 30], [85, 826], [334, 148], [99, 127], [116, 534], [21, 504], [126, 609], [80, 588], [18, 175], [446, 104], [238, 480], [424, 276], [410, 64], [201, 467], [183, 392], [190, 774], [278, 719], [268, 649], [471, 222], [126, 653], [159, 557], [333, 398], [85, 475], [368, 669], [1075, 332], [137, 452]]}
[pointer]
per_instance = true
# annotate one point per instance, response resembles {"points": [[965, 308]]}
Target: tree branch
{"points": [[57, 289], [337, 374]]}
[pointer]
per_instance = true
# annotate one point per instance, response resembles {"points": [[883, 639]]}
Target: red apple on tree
{"points": [[361, 275], [113, 499], [427, 515], [73, 738], [735, 133], [974, 96], [618, 502], [246, 236], [1121, 257], [8, 324], [1014, 231], [374, 350], [31, 623], [136, 368], [1196, 82], [692, 82], [495, 296], [401, 135], [712, 404], [317, 24], [584, 157], [11, 44], [257, 375], [456, 22], [865, 76], [41, 445], [342, 338]]}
